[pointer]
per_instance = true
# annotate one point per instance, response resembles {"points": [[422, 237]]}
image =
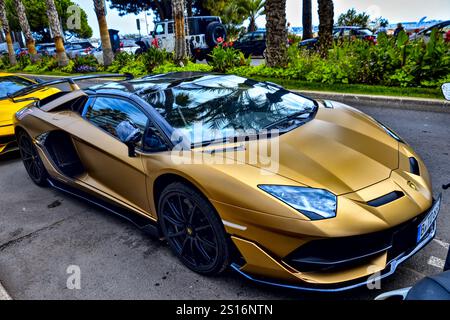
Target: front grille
{"points": [[340, 253]]}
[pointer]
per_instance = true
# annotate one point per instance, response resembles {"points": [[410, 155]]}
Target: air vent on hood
{"points": [[414, 166], [378, 202]]}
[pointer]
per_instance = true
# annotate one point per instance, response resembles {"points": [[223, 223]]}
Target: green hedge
{"points": [[392, 62]]}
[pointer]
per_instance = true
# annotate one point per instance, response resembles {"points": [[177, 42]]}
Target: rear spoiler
{"points": [[70, 80]]}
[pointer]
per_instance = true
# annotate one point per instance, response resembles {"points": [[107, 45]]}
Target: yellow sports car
{"points": [[11, 84], [232, 172]]}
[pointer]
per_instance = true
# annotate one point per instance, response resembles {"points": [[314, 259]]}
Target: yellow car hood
{"points": [[341, 150]]}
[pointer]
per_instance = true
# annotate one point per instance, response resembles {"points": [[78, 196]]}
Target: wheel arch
{"points": [[18, 130], [165, 179]]}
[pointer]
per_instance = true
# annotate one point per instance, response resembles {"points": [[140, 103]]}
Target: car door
{"points": [[108, 166]]}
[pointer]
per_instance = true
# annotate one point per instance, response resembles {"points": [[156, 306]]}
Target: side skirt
{"points": [[145, 224]]}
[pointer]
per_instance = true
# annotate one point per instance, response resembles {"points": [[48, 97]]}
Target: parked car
{"points": [[4, 47], [252, 44], [204, 32], [345, 200], [11, 84], [342, 33], [46, 49], [129, 45], [443, 29], [78, 48]]}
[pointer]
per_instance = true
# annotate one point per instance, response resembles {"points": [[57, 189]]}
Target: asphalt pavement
{"points": [[48, 237]]}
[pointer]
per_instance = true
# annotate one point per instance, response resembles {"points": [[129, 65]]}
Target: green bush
{"points": [[392, 62], [225, 58], [154, 57], [121, 60], [190, 67]]}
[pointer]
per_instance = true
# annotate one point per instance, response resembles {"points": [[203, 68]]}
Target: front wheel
{"points": [[31, 160], [193, 229]]}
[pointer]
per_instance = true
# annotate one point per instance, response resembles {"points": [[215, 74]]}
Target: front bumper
{"points": [[380, 267], [7, 139]]}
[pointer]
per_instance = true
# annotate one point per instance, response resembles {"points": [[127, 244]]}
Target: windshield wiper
{"points": [[289, 118]]}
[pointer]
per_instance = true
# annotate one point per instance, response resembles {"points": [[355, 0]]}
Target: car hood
{"points": [[341, 150]]}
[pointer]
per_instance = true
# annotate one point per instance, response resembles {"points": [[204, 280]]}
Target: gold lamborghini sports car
{"points": [[11, 84], [339, 199]]}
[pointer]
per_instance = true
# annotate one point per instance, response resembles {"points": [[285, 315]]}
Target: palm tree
{"points": [[25, 26], [307, 19], [326, 21], [100, 11], [55, 27], [180, 32], [276, 52], [250, 9], [7, 32]]}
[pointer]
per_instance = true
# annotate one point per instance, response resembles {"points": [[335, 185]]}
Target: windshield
{"points": [[227, 106], [10, 85]]}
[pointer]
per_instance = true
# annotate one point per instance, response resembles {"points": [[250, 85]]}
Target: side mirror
{"points": [[129, 134], [446, 90]]}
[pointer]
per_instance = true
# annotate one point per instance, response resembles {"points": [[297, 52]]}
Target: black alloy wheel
{"points": [[31, 160], [193, 229]]}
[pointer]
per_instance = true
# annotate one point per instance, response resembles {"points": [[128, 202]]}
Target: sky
{"points": [[393, 10]]}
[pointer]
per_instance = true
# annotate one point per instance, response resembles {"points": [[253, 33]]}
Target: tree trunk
{"points": [[189, 8], [55, 27], [252, 24], [307, 19], [25, 26], [180, 56], [326, 18], [108, 54], [276, 52], [7, 31]]}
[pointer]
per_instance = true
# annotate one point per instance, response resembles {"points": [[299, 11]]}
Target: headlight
{"points": [[316, 204]]}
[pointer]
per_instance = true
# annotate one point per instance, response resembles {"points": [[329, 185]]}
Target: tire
{"points": [[215, 30], [193, 229], [32, 161]]}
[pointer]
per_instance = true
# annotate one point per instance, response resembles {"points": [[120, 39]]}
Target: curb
{"points": [[3, 294], [419, 104]]}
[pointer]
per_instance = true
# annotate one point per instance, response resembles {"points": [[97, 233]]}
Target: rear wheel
{"points": [[193, 229], [31, 160]]}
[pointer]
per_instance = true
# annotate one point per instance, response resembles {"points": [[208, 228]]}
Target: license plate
{"points": [[429, 220]]}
